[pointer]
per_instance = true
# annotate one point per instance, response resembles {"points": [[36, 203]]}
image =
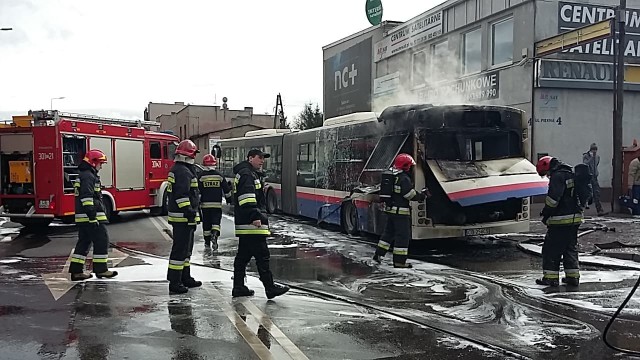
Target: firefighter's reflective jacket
{"points": [[213, 187], [402, 193], [249, 201], [88, 194], [184, 195], [561, 208]]}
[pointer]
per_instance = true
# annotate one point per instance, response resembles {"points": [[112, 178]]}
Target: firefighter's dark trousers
{"points": [[211, 219], [560, 243], [179, 260], [88, 234], [396, 234], [252, 246]]}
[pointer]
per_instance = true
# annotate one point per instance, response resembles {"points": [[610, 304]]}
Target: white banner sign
{"points": [[386, 84], [413, 34]]}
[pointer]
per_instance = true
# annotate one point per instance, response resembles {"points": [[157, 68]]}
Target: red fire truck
{"points": [[39, 161]]}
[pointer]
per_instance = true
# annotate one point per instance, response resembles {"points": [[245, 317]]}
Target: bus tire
{"points": [[272, 202], [349, 218]]}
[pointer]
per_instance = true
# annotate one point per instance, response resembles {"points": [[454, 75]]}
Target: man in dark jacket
{"points": [[184, 202], [213, 187], [90, 219], [592, 159], [252, 226], [397, 232], [563, 215]]}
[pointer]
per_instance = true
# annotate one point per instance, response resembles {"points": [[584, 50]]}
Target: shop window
{"points": [[502, 42], [471, 52], [419, 65], [440, 61]]}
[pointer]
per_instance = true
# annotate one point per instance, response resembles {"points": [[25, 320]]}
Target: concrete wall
{"points": [[154, 110]]}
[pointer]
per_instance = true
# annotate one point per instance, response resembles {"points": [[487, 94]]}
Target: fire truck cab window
{"points": [[172, 150], [155, 150]]}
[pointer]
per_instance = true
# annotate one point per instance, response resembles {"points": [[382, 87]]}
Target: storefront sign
{"points": [[415, 33], [575, 15], [386, 84], [584, 75], [470, 89]]}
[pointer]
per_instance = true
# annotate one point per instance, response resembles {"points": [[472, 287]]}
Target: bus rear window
{"points": [[469, 145]]}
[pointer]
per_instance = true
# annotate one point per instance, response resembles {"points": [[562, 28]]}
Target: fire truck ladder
{"points": [[40, 117]]}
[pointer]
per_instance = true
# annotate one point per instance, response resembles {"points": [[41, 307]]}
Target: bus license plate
{"points": [[476, 232], [44, 204]]}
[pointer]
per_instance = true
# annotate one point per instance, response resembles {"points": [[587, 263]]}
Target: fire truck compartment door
{"points": [[472, 183], [106, 173], [129, 159]]}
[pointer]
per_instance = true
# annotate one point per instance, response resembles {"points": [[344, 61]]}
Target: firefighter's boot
{"points": [[571, 281], [547, 282], [207, 242], [214, 240], [402, 265], [80, 276], [107, 274], [377, 258], [272, 289], [177, 288], [187, 280], [239, 288]]}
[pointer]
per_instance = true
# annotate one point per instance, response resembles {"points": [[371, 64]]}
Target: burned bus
{"points": [[471, 158]]}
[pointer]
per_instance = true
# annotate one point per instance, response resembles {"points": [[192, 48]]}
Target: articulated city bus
{"points": [[471, 158]]}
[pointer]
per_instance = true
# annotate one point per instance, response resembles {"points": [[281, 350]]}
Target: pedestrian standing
{"points": [[213, 187], [90, 219], [592, 159], [184, 201], [562, 214], [252, 226], [398, 191]]}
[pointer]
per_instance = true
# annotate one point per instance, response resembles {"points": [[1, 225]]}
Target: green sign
{"points": [[374, 11]]}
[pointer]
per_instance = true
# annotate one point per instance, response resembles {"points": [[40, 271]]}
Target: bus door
{"points": [[381, 159]]}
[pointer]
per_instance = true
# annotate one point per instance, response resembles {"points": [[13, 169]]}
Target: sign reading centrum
{"points": [[413, 34]]}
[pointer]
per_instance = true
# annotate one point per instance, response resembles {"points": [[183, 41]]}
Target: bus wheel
{"points": [[349, 217], [272, 202]]}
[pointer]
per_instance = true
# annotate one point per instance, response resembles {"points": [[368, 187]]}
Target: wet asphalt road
{"points": [[481, 290]]}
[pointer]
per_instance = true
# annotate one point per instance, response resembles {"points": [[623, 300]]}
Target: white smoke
{"points": [[437, 72]]}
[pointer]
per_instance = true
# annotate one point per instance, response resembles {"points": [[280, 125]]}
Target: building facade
{"points": [[481, 52], [201, 123]]}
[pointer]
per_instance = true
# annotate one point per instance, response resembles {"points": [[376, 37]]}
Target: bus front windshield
{"points": [[472, 144]]}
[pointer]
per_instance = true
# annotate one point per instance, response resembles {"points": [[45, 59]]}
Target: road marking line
{"points": [[65, 268], [160, 228], [277, 334], [252, 339]]}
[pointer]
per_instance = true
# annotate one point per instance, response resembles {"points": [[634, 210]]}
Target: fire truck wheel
{"points": [[108, 209], [349, 218], [34, 225], [272, 202]]}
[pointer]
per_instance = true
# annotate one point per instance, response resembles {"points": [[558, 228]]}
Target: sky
{"points": [[111, 58]]}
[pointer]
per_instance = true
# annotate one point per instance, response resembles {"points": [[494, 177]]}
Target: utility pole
{"points": [[618, 112], [279, 120]]}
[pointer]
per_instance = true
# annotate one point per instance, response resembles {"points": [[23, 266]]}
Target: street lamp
{"points": [[56, 98]]}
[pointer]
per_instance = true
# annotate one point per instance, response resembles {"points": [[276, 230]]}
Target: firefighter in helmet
{"points": [[563, 216], [213, 187], [252, 226], [397, 191], [184, 201], [90, 219]]}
